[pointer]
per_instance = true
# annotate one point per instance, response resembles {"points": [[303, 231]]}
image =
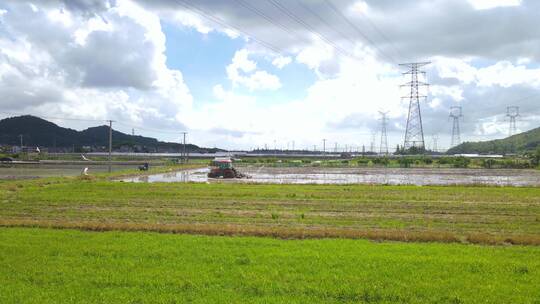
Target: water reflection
{"points": [[392, 176]]}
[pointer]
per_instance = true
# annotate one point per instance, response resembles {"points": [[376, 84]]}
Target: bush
{"points": [[488, 163], [461, 162], [405, 162], [535, 158]]}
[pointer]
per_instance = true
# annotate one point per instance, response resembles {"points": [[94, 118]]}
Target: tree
{"points": [[535, 157]]}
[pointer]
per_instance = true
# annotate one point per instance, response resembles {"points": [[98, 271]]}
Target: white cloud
{"points": [[93, 24], [60, 16], [359, 7], [62, 63], [489, 4], [243, 71], [314, 55], [281, 61], [100, 61], [506, 74], [455, 92]]}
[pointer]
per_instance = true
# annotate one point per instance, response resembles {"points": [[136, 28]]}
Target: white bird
{"points": [[84, 157], [85, 171], [38, 150]]}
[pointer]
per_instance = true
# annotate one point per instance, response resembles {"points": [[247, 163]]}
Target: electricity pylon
{"points": [[414, 132], [383, 149], [512, 112], [455, 114]]}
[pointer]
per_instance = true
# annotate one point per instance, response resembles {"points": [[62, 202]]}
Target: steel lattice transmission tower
{"points": [[414, 132], [383, 149], [455, 114], [372, 145], [435, 140], [512, 112]]}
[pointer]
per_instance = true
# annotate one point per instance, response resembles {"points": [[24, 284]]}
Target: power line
{"points": [[308, 27], [269, 19], [146, 128], [205, 14], [357, 29], [321, 19]]}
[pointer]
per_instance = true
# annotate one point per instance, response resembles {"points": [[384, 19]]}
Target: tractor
{"points": [[222, 167]]}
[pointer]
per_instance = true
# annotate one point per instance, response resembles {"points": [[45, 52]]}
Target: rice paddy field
{"points": [[95, 240]]}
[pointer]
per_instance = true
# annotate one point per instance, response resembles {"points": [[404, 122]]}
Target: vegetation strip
{"points": [[283, 232]]}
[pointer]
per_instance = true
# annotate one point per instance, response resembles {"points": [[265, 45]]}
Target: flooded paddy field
{"points": [[391, 176], [31, 171]]}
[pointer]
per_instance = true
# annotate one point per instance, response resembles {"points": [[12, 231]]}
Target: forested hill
{"points": [[522, 142], [43, 133]]}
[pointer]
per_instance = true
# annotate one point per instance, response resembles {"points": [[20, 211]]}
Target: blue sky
{"points": [[202, 58]]}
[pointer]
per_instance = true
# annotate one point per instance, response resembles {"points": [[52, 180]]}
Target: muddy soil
{"points": [[391, 176]]}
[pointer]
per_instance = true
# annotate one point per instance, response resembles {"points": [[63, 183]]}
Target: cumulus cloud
{"points": [[107, 58], [67, 60], [243, 71], [281, 61]]}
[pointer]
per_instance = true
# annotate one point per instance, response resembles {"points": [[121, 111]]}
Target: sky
{"points": [[245, 74]]}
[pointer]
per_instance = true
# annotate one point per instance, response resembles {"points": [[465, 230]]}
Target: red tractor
{"points": [[222, 167]]}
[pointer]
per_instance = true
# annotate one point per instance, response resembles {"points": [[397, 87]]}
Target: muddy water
{"points": [[392, 176]]}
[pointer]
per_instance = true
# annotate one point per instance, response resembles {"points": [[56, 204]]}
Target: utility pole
{"points": [[383, 149], [293, 145], [21, 138], [512, 112], [414, 132], [184, 154], [54, 145], [455, 114], [132, 131], [372, 147], [110, 145], [324, 146]]}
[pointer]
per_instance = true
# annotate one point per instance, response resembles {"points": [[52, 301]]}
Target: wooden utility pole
{"points": [[110, 145], [184, 154]]}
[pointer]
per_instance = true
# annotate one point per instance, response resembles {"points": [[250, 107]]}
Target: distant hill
{"points": [[522, 142], [43, 133]]}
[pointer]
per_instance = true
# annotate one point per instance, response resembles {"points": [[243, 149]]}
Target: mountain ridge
{"points": [[519, 143], [43, 133]]}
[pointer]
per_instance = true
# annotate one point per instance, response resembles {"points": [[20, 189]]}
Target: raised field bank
{"points": [[104, 238]]}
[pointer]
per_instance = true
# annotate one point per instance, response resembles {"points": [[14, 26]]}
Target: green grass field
{"points": [[457, 214], [246, 243], [67, 266]]}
